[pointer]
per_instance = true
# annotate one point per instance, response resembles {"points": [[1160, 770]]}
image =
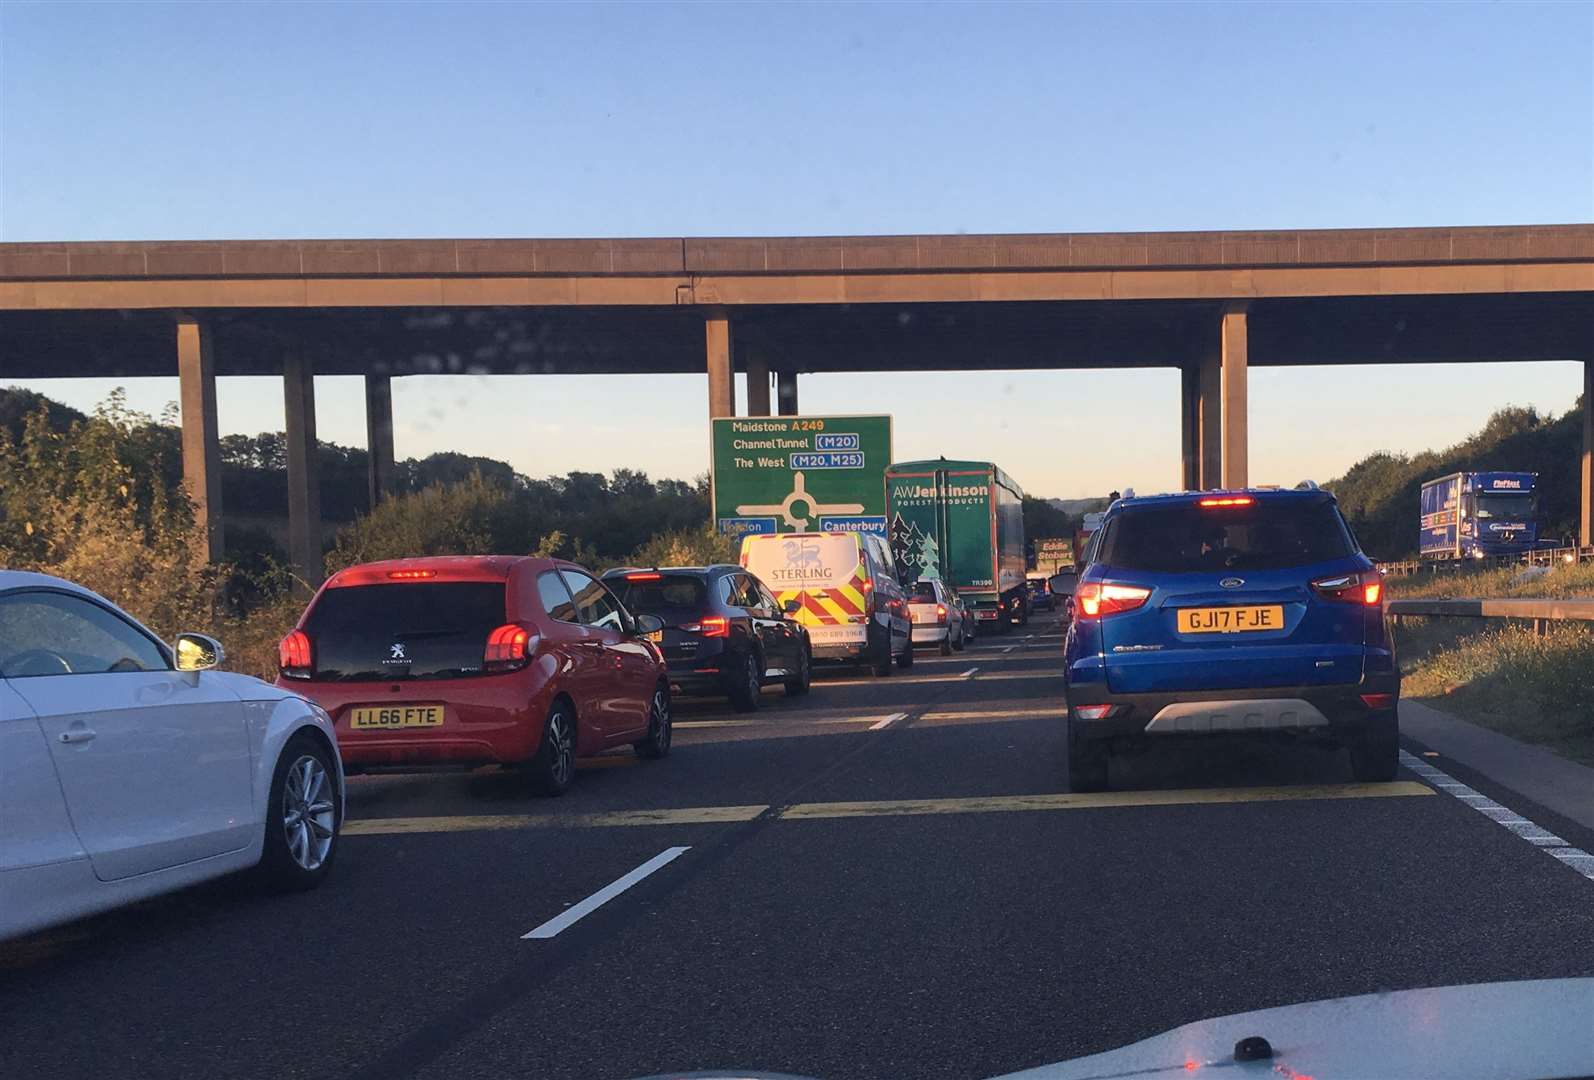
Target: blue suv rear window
{"points": [[1185, 537]]}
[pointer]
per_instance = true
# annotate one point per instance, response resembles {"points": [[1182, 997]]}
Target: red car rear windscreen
{"points": [[422, 630]]}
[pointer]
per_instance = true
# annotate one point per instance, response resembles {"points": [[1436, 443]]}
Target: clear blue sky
{"points": [[156, 121]]}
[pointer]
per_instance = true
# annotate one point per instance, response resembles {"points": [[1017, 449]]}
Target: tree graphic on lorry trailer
{"points": [[917, 555], [906, 549]]}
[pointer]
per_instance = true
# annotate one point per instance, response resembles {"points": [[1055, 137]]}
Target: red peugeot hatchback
{"points": [[478, 660]]}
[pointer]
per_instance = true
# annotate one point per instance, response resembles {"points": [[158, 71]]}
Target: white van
{"points": [[852, 604]]}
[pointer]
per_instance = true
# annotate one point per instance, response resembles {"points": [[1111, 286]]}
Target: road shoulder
{"points": [[1553, 782]]}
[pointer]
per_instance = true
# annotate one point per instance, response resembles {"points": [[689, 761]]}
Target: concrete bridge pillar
{"points": [[786, 393], [304, 484], [1232, 381], [1213, 403], [196, 377], [1208, 413], [379, 437], [757, 384], [721, 385], [1585, 488], [1190, 427]]}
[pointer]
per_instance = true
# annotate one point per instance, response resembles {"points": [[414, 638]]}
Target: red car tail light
{"points": [[508, 648], [710, 626], [1094, 599], [293, 654], [1365, 588]]}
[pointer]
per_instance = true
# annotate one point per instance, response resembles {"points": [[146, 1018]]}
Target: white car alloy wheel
{"points": [[309, 813]]}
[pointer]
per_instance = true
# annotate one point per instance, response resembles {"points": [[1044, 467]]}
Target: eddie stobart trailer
{"points": [[961, 522], [1473, 515]]}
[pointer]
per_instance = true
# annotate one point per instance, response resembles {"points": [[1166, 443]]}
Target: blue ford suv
{"points": [[1228, 613]]}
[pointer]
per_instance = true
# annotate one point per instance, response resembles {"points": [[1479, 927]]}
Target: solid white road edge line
{"points": [[605, 894], [1553, 845], [887, 721]]}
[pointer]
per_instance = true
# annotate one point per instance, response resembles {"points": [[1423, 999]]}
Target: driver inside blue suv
{"points": [[1228, 613]]}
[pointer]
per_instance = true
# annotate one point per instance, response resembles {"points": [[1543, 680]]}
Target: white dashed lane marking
{"points": [[887, 721], [592, 903], [1542, 838]]}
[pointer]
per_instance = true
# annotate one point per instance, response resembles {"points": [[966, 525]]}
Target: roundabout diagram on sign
{"points": [[799, 497]]}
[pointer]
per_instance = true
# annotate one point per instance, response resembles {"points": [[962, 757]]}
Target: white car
{"points": [[128, 768]]}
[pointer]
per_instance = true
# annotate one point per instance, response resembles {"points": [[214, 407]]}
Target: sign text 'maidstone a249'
{"points": [[800, 473]]}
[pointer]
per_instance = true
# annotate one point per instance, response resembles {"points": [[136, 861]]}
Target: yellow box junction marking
{"points": [[691, 815], [700, 815], [1102, 800]]}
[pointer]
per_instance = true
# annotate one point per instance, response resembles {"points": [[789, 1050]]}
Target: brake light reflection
{"points": [[1366, 588], [293, 652], [1094, 599], [711, 626], [506, 647]]}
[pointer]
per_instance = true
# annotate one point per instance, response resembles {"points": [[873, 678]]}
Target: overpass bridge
{"points": [[1211, 304]]}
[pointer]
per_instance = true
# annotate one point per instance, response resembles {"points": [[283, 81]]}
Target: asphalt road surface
{"points": [[880, 880]]}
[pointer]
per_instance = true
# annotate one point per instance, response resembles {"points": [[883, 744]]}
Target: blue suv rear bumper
{"points": [[1343, 706]]}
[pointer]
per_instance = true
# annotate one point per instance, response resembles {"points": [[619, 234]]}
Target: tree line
{"points": [[1379, 493], [603, 516]]}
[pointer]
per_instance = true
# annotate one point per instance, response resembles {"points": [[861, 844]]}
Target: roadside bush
{"points": [[88, 504], [686, 547], [1519, 683], [1559, 583], [473, 517]]}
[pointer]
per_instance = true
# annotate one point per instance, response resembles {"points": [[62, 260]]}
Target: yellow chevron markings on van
{"points": [[835, 610], [708, 815]]}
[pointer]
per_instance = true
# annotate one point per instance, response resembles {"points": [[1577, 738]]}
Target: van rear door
{"points": [[824, 572]]}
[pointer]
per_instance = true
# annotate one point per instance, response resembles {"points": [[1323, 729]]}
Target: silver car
{"points": [[939, 617]]}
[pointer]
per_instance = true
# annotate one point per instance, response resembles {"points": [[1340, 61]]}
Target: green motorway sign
{"points": [[800, 473]]}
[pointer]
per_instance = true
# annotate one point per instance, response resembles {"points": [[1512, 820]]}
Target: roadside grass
{"points": [[1501, 675], [1550, 583]]}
